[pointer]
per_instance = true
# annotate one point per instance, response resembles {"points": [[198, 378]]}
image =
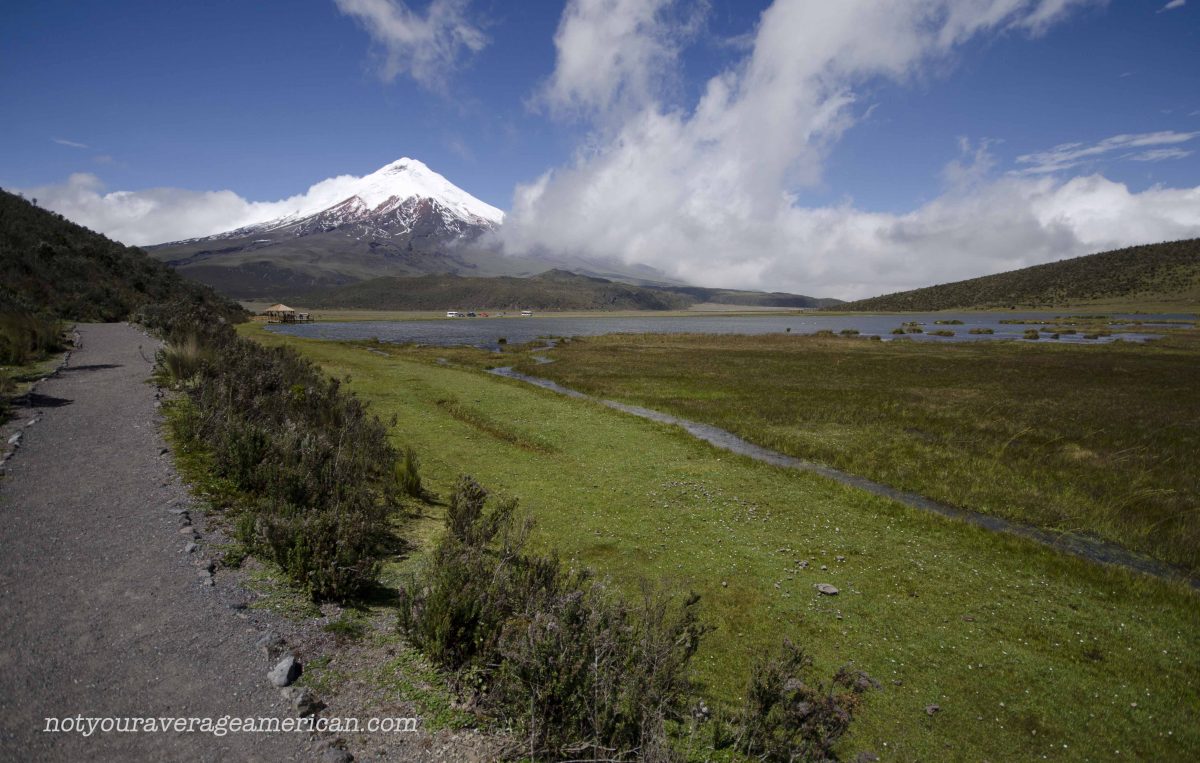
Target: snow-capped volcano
{"points": [[402, 219], [392, 194]]}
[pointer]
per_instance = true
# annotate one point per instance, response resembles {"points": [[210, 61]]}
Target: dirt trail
{"points": [[104, 613]]}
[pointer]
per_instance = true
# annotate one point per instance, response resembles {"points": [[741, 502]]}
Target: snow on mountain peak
{"points": [[402, 179]]}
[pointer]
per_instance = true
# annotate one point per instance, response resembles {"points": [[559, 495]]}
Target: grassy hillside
{"points": [[53, 267], [552, 290], [1166, 273], [250, 267], [751, 298]]}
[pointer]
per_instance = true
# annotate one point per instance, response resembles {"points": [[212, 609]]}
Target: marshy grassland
{"points": [[1025, 652], [1099, 440]]}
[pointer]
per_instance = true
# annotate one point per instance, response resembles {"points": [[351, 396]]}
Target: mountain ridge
{"points": [[1167, 272], [554, 289]]}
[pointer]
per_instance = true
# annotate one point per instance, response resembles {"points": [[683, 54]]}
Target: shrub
{"points": [[7, 387], [182, 360], [789, 716], [314, 471], [408, 474], [982, 331], [942, 332], [581, 672], [849, 332], [25, 337], [898, 331], [1031, 334]]}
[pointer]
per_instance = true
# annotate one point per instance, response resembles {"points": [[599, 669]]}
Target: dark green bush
{"points": [[789, 715], [581, 672], [408, 474], [315, 471]]}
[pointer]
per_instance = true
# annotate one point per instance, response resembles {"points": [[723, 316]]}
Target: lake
{"points": [[486, 332]]}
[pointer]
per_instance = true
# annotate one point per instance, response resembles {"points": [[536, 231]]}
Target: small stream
{"points": [[1092, 549]]}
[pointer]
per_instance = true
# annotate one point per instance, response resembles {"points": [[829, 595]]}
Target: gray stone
{"points": [[190, 548], [932, 709], [271, 644], [826, 589], [305, 702], [286, 672], [15, 439], [334, 755], [841, 558]]}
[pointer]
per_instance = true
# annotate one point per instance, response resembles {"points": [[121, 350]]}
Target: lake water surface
{"points": [[486, 332]]}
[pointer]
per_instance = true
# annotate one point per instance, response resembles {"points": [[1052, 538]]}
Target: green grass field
{"points": [[1089, 439], [1027, 652]]}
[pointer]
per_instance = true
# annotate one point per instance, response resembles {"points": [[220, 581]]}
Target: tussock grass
{"points": [[26, 337], [182, 360]]}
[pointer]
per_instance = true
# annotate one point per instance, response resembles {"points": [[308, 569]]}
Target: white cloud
{"points": [[159, 215], [708, 194], [143, 217], [1070, 155], [614, 54], [70, 143], [426, 47], [1173, 5], [1159, 154]]}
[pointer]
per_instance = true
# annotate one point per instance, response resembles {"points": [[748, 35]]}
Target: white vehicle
{"points": [[453, 314], [526, 313]]}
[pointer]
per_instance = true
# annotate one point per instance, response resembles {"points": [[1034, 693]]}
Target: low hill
{"points": [[1166, 273], [53, 267], [751, 298], [552, 290]]}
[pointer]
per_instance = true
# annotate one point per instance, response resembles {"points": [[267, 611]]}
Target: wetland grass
{"points": [[1008, 638]]}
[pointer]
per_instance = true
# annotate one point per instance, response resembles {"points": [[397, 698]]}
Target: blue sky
{"points": [[263, 99]]}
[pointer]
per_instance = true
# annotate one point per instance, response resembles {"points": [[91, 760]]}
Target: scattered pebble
{"points": [[826, 589]]}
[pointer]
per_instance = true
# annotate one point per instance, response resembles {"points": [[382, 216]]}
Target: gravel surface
{"points": [[104, 613]]}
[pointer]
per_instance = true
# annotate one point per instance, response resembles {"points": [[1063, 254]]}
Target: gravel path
{"points": [[102, 612]]}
